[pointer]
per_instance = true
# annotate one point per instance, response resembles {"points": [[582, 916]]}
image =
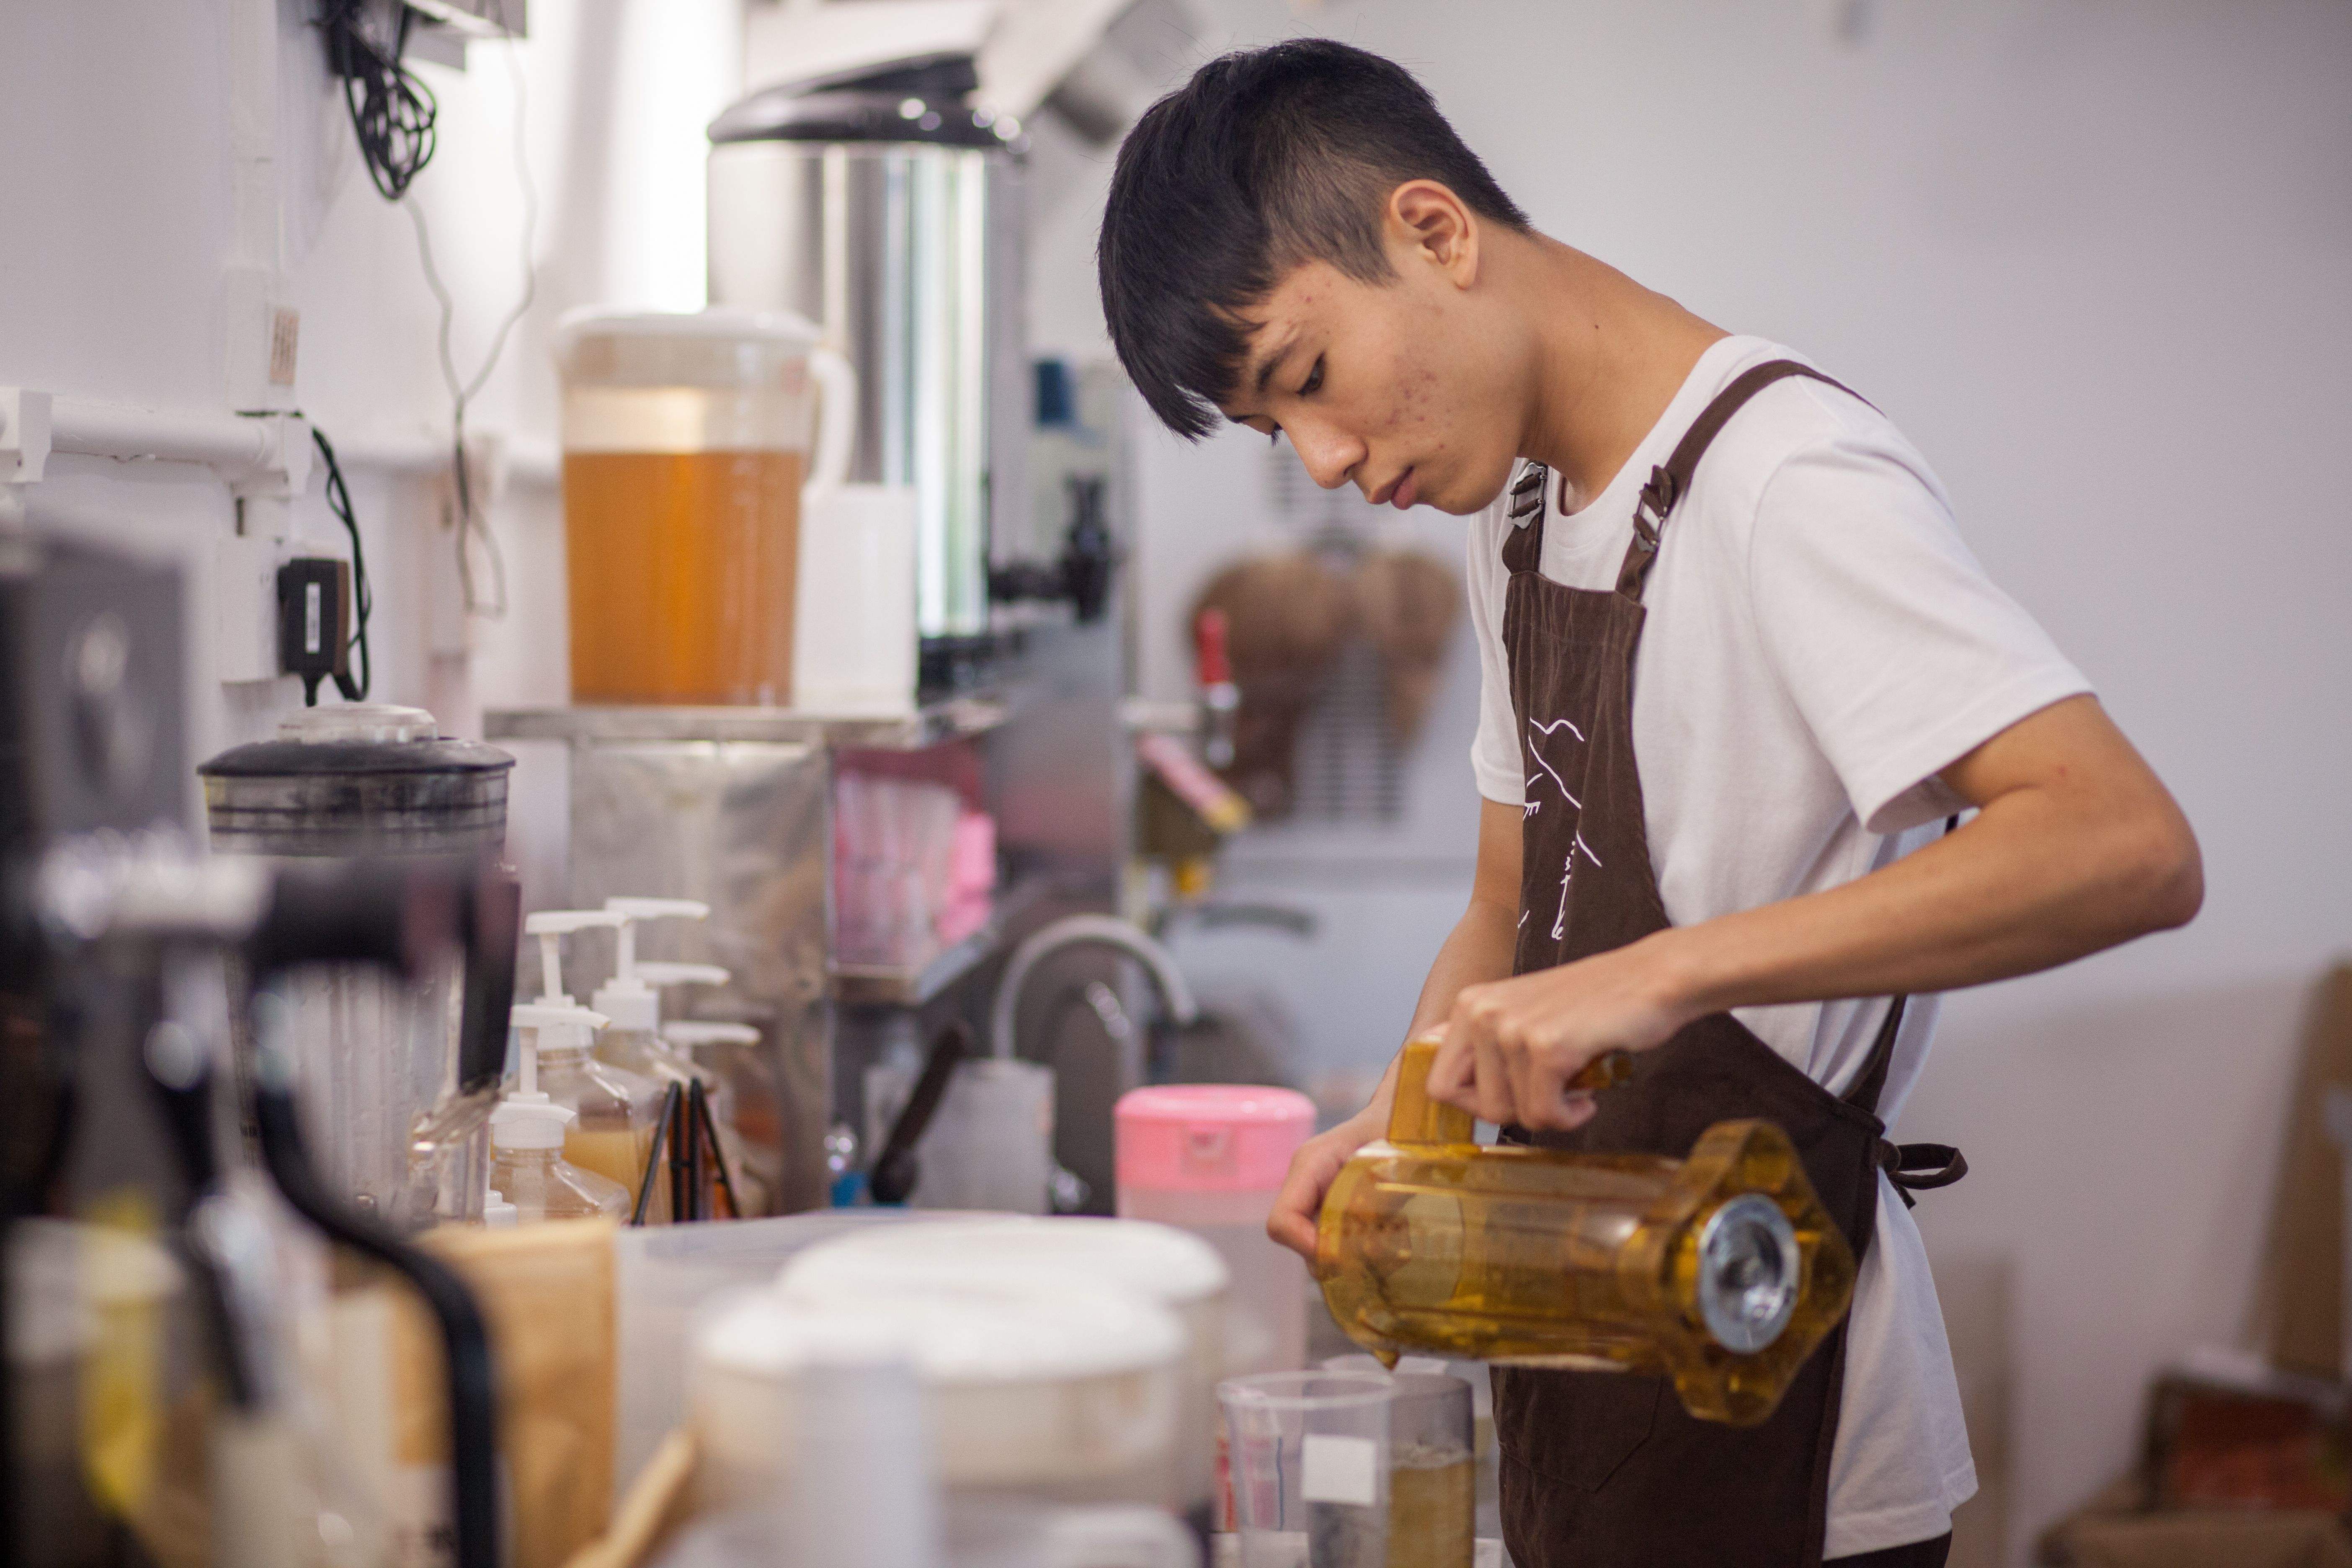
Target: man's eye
{"points": [[1314, 382]]}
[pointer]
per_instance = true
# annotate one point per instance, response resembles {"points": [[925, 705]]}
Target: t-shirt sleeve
{"points": [[1898, 651], [1495, 750]]}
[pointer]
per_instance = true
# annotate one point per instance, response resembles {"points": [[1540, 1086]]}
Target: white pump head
{"points": [[527, 1119], [632, 995], [688, 1033], [552, 926]]}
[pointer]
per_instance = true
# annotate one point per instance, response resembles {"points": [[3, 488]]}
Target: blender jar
{"points": [[690, 443]]}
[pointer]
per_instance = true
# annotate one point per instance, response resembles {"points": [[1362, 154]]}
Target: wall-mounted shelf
{"points": [[929, 725]]}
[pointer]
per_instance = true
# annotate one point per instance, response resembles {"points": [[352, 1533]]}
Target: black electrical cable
{"points": [[391, 112], [339, 502]]}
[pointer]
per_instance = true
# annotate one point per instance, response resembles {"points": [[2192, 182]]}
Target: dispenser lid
{"points": [[965, 1332], [1155, 1260], [1210, 1137]]}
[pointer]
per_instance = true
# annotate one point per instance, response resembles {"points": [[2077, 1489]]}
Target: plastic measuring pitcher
{"points": [[1722, 1271], [1309, 1456], [691, 443]]}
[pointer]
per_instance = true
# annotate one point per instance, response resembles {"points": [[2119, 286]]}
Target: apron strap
{"points": [[1920, 1167], [1672, 480], [1523, 544]]}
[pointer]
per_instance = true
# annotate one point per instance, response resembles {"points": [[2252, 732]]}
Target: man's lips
{"points": [[1400, 493]]}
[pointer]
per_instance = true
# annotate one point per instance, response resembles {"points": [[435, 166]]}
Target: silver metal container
{"points": [[890, 211]]}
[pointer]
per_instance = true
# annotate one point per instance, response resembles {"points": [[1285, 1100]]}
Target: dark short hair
{"points": [[1267, 158]]}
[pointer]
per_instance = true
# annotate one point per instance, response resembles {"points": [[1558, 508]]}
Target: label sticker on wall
{"points": [[1339, 1469]]}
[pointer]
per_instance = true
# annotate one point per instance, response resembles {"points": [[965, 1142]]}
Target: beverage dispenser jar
{"points": [[400, 1123], [690, 443], [1722, 1271], [1209, 1158]]}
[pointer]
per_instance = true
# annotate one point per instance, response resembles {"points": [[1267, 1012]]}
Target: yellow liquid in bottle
{"points": [[1721, 1271], [618, 1154]]}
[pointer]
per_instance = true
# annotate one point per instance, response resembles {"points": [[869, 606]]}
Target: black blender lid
{"points": [[296, 759], [356, 738], [923, 98]]}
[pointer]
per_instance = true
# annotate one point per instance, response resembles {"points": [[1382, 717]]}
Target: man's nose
{"points": [[1329, 455]]}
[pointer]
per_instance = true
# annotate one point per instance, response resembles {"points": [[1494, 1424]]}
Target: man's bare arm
{"points": [[1478, 949], [2076, 847]]}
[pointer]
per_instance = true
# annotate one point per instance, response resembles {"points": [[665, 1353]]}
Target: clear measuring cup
{"points": [[691, 443], [1309, 1461]]}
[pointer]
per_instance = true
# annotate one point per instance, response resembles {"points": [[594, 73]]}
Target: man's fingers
{"points": [[1493, 1099], [1449, 1070], [1292, 1230], [1535, 1091]]}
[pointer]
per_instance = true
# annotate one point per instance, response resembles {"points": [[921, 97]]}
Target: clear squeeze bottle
{"points": [[614, 1109], [529, 1174], [1721, 1271]]}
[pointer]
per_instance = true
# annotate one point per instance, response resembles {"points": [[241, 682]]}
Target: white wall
{"points": [[2096, 258], [116, 227]]}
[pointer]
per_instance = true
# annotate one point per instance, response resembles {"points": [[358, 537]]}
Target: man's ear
{"points": [[1429, 225]]}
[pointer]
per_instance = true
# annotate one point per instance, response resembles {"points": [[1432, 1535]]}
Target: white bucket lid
{"points": [[1158, 1261], [1048, 1329]]}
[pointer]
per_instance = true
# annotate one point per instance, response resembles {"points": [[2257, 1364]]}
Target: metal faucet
{"points": [[1076, 931]]}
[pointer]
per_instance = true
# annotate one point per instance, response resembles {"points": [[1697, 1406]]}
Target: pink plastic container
{"points": [[1209, 1158]]}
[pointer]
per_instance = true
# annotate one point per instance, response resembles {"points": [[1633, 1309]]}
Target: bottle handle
{"points": [[836, 425], [1414, 1118]]}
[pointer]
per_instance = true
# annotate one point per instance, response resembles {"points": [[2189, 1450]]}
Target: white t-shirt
{"points": [[1819, 646]]}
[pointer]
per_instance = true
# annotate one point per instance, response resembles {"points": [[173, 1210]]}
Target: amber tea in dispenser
{"points": [[1721, 1271], [688, 443]]}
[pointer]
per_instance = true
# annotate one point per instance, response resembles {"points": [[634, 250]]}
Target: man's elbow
{"points": [[2166, 873]]}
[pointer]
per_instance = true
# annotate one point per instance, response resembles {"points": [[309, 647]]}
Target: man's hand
{"points": [[1512, 1046], [1300, 1201]]}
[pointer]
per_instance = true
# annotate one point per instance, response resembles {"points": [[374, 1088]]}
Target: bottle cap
{"points": [[631, 997]]}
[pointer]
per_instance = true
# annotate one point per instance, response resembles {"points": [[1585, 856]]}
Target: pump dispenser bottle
{"points": [[529, 1131], [614, 1110], [635, 1039]]}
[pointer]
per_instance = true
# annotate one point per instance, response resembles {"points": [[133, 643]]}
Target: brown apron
{"points": [[1605, 1468]]}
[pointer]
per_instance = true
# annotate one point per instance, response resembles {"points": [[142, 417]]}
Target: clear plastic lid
{"points": [[721, 348]]}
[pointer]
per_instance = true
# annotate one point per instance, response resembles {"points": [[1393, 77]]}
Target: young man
{"points": [[1741, 680]]}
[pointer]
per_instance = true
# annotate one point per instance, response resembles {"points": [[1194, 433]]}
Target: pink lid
{"points": [[1210, 1137]]}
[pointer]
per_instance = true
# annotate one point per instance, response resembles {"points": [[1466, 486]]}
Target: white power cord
{"points": [[470, 524]]}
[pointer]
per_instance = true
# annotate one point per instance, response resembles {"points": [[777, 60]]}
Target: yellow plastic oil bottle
{"points": [[1721, 1271]]}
